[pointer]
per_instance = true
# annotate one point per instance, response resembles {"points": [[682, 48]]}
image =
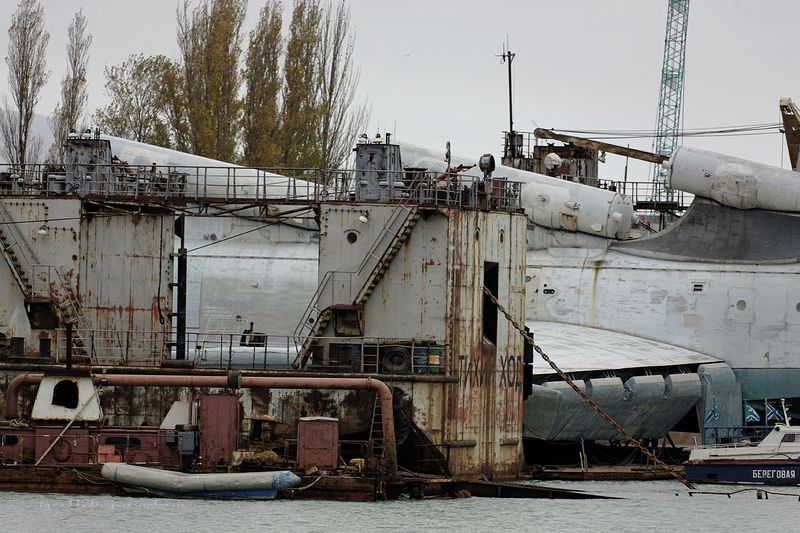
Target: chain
{"points": [[599, 410]]}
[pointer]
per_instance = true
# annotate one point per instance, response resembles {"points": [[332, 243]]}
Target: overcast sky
{"points": [[430, 72]]}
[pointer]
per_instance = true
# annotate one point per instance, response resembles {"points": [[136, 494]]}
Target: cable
{"points": [[38, 221], [729, 131], [278, 221], [706, 128], [582, 394]]}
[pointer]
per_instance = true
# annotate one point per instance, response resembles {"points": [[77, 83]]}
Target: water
{"points": [[647, 505]]}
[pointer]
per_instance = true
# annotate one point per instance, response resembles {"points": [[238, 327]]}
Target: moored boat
{"points": [[773, 461]]}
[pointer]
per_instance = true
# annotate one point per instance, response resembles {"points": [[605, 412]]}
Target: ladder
{"points": [[336, 287], [70, 311], [376, 430], [23, 262], [370, 358]]}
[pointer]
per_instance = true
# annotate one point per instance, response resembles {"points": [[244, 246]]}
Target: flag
{"points": [[713, 414], [773, 414], [750, 414]]}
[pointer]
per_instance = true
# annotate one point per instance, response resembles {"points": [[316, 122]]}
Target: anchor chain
{"points": [[585, 397]]}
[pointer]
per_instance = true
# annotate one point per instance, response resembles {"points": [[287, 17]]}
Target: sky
{"points": [[430, 71]]}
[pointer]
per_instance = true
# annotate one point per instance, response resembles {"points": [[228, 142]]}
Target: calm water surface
{"points": [[646, 506]]}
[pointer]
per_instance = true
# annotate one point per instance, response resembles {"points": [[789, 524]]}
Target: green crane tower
{"points": [[671, 95]]}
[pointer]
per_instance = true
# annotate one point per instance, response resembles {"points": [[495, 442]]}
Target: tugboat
{"points": [[773, 461]]}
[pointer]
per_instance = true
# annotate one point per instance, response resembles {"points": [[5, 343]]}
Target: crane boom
{"points": [[671, 95], [791, 128], [542, 133]]}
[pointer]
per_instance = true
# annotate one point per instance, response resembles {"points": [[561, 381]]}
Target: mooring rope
{"points": [[761, 493], [585, 397]]}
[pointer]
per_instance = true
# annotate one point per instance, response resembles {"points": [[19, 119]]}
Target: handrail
{"points": [[228, 183]]}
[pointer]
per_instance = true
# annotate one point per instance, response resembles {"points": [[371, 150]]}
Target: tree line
{"points": [[282, 96]]}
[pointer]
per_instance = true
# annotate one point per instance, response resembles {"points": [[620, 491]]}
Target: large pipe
{"points": [[249, 382], [733, 181]]}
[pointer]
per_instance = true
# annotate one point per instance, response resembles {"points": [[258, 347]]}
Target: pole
{"points": [[625, 177], [510, 57], [181, 325], [508, 149], [69, 345]]}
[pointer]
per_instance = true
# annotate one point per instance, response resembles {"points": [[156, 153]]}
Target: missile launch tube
{"points": [[732, 181]]}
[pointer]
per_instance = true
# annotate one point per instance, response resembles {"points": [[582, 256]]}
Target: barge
{"points": [[401, 377]]}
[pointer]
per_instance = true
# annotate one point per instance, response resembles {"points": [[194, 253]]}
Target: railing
{"points": [[234, 184], [340, 283], [645, 191], [252, 351], [381, 355], [43, 277], [114, 347], [734, 436]]}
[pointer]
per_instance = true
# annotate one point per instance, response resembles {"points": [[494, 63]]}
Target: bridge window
{"points": [[788, 438]]}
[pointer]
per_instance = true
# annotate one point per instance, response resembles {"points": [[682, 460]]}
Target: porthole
{"points": [[741, 305], [352, 237]]}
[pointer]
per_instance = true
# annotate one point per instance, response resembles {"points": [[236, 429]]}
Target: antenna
{"points": [[786, 416], [508, 56]]}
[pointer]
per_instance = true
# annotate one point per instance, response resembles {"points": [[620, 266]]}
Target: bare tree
{"points": [[27, 74], [69, 111], [135, 108], [210, 43], [339, 120], [263, 85]]}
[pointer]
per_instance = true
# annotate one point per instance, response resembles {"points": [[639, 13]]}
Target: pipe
{"points": [[69, 346], [250, 382], [12, 391], [180, 348]]}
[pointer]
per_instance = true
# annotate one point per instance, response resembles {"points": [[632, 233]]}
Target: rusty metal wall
{"points": [[125, 273], [409, 300], [50, 228], [433, 290], [486, 406]]}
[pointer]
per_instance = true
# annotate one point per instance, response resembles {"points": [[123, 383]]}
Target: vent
{"points": [[698, 286]]}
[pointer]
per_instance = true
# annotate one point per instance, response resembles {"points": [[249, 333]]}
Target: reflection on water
{"points": [[664, 505]]}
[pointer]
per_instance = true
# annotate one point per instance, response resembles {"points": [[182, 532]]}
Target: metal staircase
{"points": [[70, 311], [16, 252], [354, 288], [23, 263]]}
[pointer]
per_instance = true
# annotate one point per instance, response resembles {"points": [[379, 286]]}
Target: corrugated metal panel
{"points": [[124, 285]]}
